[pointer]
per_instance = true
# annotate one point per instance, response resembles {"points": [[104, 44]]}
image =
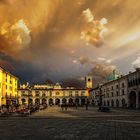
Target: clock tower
{"points": [[88, 80]]}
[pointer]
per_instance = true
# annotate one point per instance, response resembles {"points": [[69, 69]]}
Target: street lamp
{"points": [[100, 96], [29, 94]]}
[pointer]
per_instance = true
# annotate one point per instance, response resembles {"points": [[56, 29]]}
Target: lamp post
{"points": [[100, 96], [29, 93]]}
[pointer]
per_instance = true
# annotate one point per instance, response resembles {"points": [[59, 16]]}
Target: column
{"points": [[80, 101], [60, 101], [47, 101], [137, 100], [33, 101]]}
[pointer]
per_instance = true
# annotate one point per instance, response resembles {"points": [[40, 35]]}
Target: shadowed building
{"points": [[123, 91]]}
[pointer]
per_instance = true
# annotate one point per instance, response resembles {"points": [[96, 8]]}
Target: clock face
{"points": [[89, 80]]}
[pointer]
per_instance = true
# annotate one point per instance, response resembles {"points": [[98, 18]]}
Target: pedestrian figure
{"points": [[62, 107], [86, 106], [66, 107], [76, 105], [99, 105]]}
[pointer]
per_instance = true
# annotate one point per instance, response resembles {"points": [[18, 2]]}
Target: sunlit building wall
{"points": [[54, 94], [8, 88], [0, 84]]}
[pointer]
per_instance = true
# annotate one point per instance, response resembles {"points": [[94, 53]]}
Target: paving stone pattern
{"points": [[70, 128]]}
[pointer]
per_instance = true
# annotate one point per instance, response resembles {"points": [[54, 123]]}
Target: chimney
{"points": [[137, 69], [130, 72]]}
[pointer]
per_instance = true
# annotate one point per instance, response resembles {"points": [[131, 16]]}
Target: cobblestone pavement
{"points": [[71, 128], [81, 112]]}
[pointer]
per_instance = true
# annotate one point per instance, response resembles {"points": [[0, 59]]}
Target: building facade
{"points": [[54, 94], [121, 92], [8, 88]]}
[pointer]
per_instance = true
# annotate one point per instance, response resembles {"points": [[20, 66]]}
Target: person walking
{"points": [[62, 107], [66, 107], [76, 105]]}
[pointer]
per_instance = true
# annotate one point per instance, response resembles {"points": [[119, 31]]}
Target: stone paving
{"points": [[81, 112], [53, 124]]}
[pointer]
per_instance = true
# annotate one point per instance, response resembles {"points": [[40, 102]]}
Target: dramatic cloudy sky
{"points": [[67, 39]]}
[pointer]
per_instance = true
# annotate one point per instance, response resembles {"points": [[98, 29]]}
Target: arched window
{"points": [[112, 103], [108, 103], [123, 103], [104, 103], [117, 103]]}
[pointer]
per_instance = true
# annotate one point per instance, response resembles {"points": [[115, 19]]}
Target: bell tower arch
{"points": [[88, 81]]}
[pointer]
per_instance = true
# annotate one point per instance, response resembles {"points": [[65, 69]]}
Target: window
{"points": [[63, 93], [107, 94], [133, 82], [139, 81], [122, 92], [57, 93], [36, 91], [117, 86], [122, 85], [117, 93], [112, 94], [10, 88], [128, 84], [112, 87], [22, 92], [136, 81], [43, 94], [70, 91], [76, 91], [83, 92], [77, 94], [50, 93], [37, 94], [70, 95]]}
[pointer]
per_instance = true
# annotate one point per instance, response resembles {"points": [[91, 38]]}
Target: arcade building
{"points": [[54, 94]]}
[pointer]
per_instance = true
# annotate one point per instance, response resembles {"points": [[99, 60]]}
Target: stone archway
{"points": [[104, 103], [37, 101], [83, 102], [108, 104], [64, 101], [117, 103], [112, 103], [70, 101], [44, 101], [77, 101], [57, 101], [139, 99], [132, 99], [51, 102], [30, 101], [23, 101]]}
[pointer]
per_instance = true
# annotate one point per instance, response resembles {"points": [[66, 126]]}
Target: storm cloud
{"points": [[39, 36]]}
